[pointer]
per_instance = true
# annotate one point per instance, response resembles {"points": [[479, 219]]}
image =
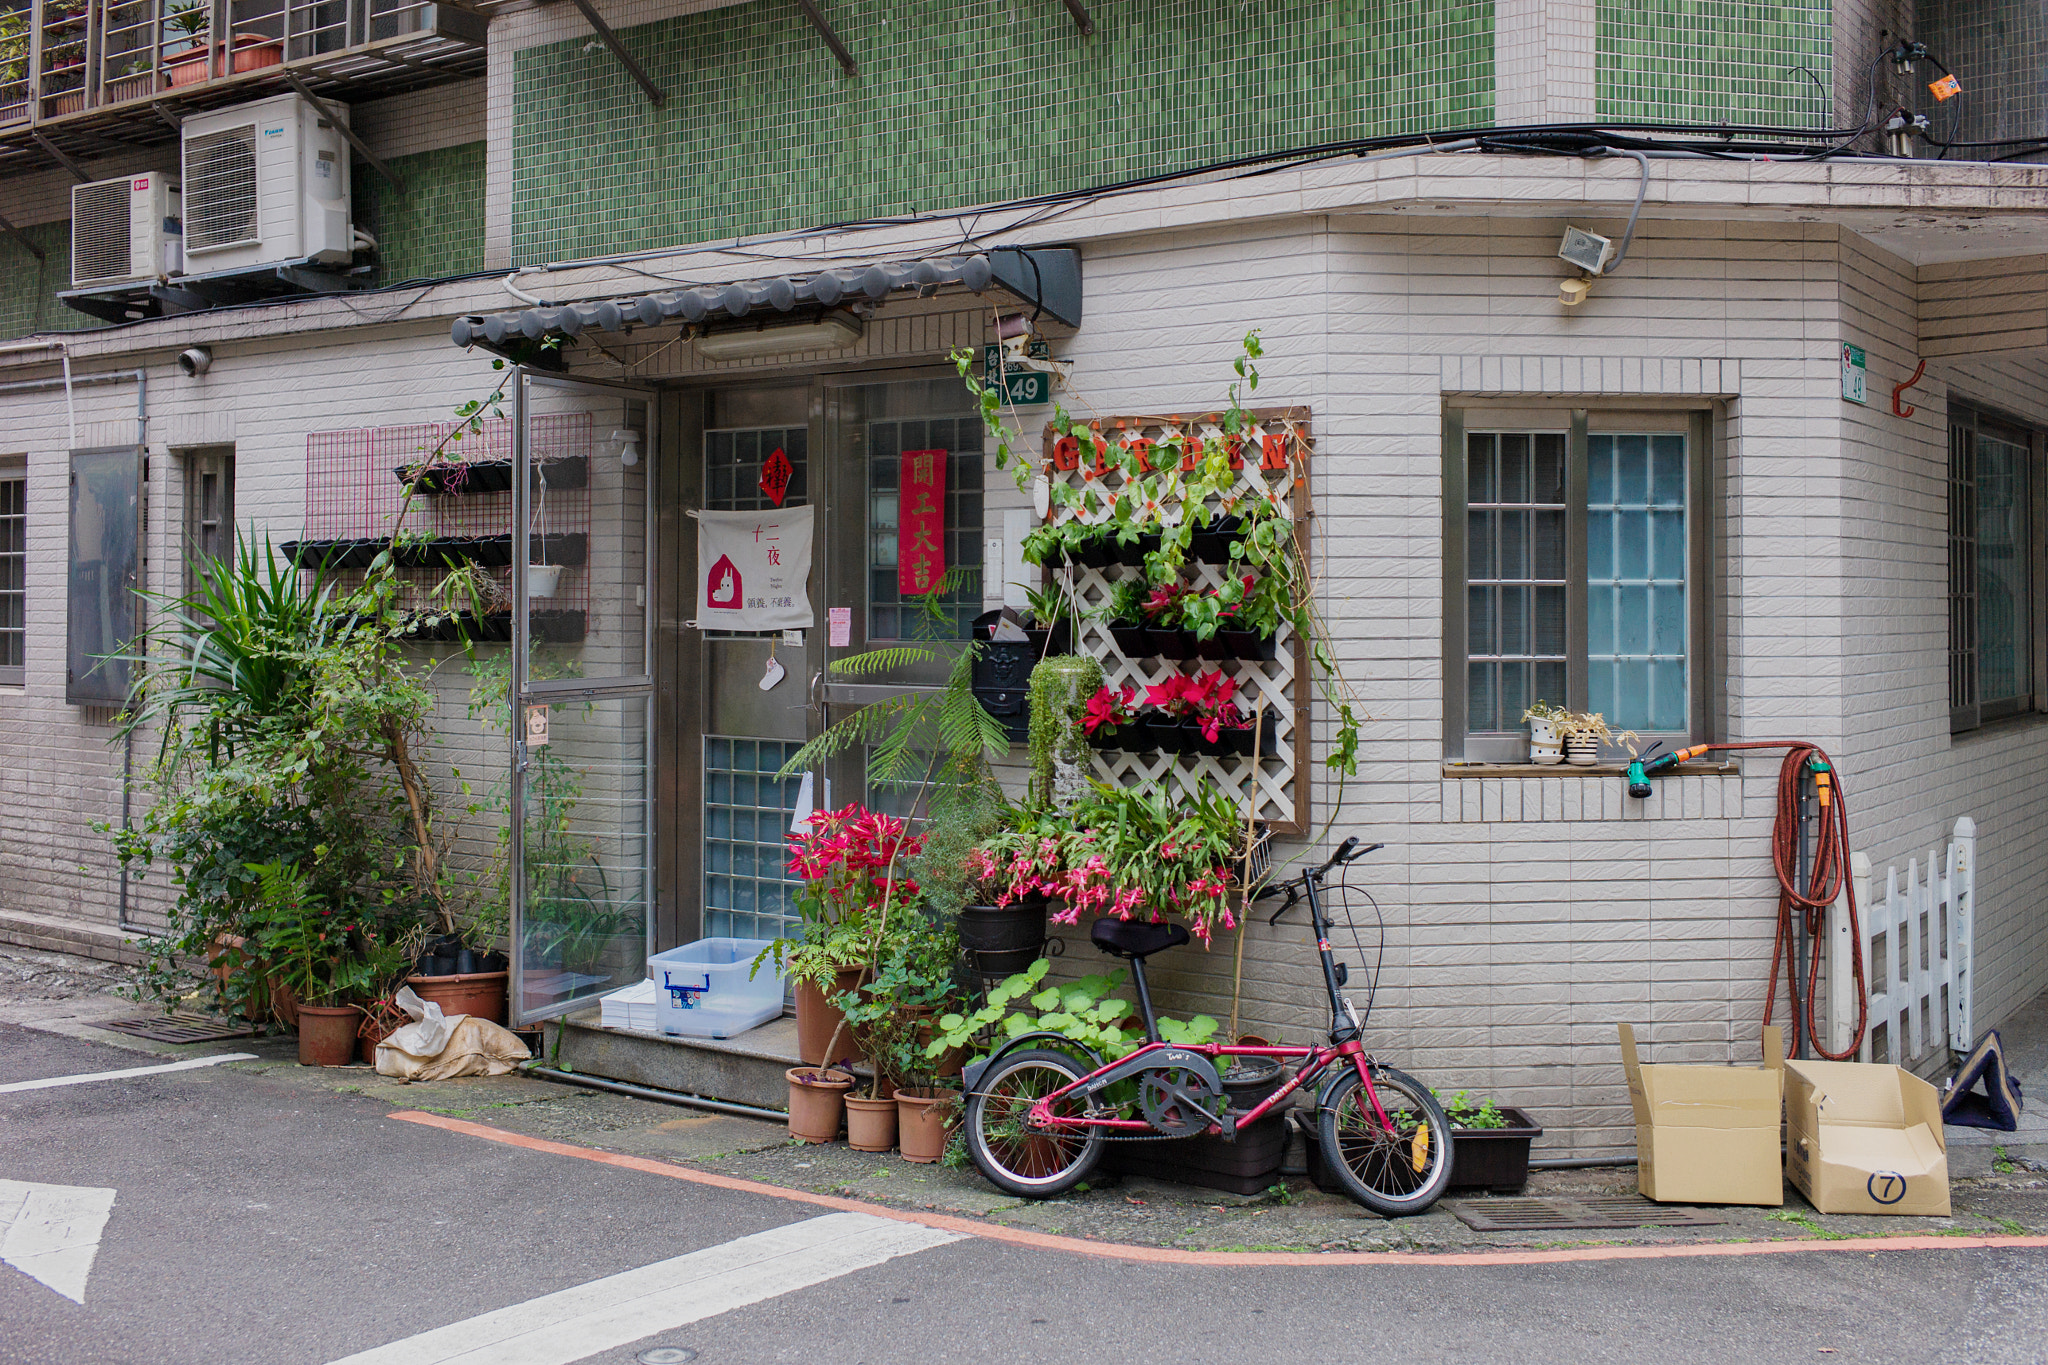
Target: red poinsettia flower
{"points": [[1109, 711]]}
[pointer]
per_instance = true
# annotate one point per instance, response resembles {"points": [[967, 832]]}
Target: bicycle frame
{"points": [[1315, 1059]]}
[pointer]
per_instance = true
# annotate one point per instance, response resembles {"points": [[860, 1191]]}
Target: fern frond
{"points": [[882, 660]]}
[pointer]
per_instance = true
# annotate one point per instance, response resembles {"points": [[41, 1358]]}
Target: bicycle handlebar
{"points": [[1347, 852]]}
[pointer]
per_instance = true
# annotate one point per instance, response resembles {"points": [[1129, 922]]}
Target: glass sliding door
{"points": [[581, 691]]}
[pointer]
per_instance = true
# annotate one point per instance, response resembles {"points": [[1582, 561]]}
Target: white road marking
{"points": [[81, 1079], [604, 1314], [51, 1233]]}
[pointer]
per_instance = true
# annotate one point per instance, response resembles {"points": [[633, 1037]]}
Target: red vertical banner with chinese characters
{"points": [[921, 523]]}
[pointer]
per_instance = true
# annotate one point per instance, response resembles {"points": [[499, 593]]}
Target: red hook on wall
{"points": [[1901, 388]]}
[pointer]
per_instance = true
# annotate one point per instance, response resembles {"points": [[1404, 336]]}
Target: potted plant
{"points": [[1123, 613], [891, 1017], [1048, 619], [817, 1101], [1161, 612], [1013, 873], [1059, 691], [1489, 1145], [1545, 746], [1111, 718], [185, 26], [1583, 732], [329, 957]]}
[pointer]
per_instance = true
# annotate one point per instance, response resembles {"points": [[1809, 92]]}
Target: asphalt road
{"points": [[254, 1222]]}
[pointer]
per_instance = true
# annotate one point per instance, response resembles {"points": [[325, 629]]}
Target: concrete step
{"points": [[103, 942], [747, 1069]]}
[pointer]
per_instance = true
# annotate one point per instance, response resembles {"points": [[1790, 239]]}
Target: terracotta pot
{"points": [[924, 1120], [817, 1020], [327, 1034], [817, 1096], [282, 1004], [366, 1048], [478, 993], [253, 52], [870, 1124]]}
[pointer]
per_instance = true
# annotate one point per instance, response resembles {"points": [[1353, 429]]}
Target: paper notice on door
{"points": [[800, 818], [537, 727], [839, 625], [759, 563]]}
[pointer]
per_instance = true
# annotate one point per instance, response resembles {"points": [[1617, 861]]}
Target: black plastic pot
{"points": [[494, 961], [1169, 644], [1495, 1158], [1133, 641], [1211, 544], [1248, 644], [1133, 554], [1105, 740], [1099, 553], [444, 965], [1193, 741], [1213, 649], [1239, 742], [1167, 734], [465, 478], [1047, 643], [466, 961], [1003, 940]]}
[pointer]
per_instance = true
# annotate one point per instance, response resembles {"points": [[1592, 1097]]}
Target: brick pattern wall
{"points": [[954, 104]]}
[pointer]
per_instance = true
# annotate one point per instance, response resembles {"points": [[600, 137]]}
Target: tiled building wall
{"points": [[1997, 49], [955, 104], [28, 287], [432, 229], [1714, 61]]}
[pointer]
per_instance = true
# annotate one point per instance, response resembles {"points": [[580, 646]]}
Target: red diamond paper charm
{"points": [[775, 475]]}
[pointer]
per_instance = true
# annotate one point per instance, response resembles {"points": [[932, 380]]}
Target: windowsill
{"points": [[1461, 768], [2004, 728]]}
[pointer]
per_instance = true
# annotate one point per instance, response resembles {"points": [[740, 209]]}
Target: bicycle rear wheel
{"points": [[1016, 1158], [1393, 1170]]}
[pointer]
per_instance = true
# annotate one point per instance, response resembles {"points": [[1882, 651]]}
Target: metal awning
{"points": [[1044, 280]]}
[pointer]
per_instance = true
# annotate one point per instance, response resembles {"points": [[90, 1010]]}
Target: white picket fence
{"points": [[1916, 954]]}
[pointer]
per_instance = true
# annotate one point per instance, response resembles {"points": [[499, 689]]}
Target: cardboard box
{"points": [[1862, 1138], [1708, 1134]]}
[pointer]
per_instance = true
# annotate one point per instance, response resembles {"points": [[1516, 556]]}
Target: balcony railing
{"points": [[62, 61]]}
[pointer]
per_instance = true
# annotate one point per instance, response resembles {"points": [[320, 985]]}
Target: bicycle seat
{"points": [[1135, 938]]}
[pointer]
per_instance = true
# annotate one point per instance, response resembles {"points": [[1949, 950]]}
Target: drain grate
{"points": [[179, 1028], [1588, 1211]]}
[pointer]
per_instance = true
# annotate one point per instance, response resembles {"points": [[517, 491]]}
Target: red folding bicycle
{"points": [[1041, 1108]]}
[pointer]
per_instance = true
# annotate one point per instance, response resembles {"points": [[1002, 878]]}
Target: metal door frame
{"points": [[520, 693]]}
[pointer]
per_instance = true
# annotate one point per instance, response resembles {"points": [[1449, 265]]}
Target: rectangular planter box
{"points": [[1495, 1159], [1246, 1166]]}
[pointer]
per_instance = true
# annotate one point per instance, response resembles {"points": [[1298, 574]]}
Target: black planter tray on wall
{"points": [[553, 627], [493, 552], [489, 476]]}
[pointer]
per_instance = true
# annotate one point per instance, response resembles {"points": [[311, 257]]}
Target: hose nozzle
{"points": [[1640, 769]]}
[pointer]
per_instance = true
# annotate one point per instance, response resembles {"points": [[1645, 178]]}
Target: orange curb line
{"points": [[1044, 1241]]}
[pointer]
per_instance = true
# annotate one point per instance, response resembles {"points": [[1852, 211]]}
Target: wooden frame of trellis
{"points": [[1282, 684]]}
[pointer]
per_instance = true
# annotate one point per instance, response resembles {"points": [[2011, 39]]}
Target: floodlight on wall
{"points": [[1589, 251], [832, 332]]}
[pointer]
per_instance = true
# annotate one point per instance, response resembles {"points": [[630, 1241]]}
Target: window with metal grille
{"points": [[100, 243], [13, 570], [220, 188], [1994, 568], [1573, 567]]}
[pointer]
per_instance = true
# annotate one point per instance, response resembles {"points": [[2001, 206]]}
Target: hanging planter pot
{"points": [[1240, 741], [1172, 645], [1544, 746], [1248, 644], [1002, 940], [1166, 734], [542, 579], [817, 1099]]}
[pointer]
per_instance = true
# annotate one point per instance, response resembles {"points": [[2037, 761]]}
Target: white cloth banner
{"points": [[754, 570]]}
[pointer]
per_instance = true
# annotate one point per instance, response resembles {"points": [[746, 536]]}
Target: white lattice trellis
{"points": [[1278, 437]]}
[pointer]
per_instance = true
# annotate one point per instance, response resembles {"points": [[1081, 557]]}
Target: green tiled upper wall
{"points": [[1710, 61], [957, 102], [436, 227], [28, 287]]}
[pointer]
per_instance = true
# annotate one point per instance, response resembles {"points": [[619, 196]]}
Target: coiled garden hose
{"points": [[1828, 878]]}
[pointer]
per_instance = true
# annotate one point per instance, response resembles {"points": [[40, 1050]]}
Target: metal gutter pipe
{"points": [[643, 1092]]}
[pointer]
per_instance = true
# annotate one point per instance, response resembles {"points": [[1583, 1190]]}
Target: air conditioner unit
{"points": [[124, 231], [265, 184]]}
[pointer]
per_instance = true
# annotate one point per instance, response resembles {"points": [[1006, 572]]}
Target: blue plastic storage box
{"points": [[703, 990]]}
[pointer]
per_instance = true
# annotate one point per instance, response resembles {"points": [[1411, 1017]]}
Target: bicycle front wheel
{"points": [[1016, 1157], [1395, 1167]]}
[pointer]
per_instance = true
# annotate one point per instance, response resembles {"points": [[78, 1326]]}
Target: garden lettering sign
{"points": [[921, 523], [755, 569]]}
